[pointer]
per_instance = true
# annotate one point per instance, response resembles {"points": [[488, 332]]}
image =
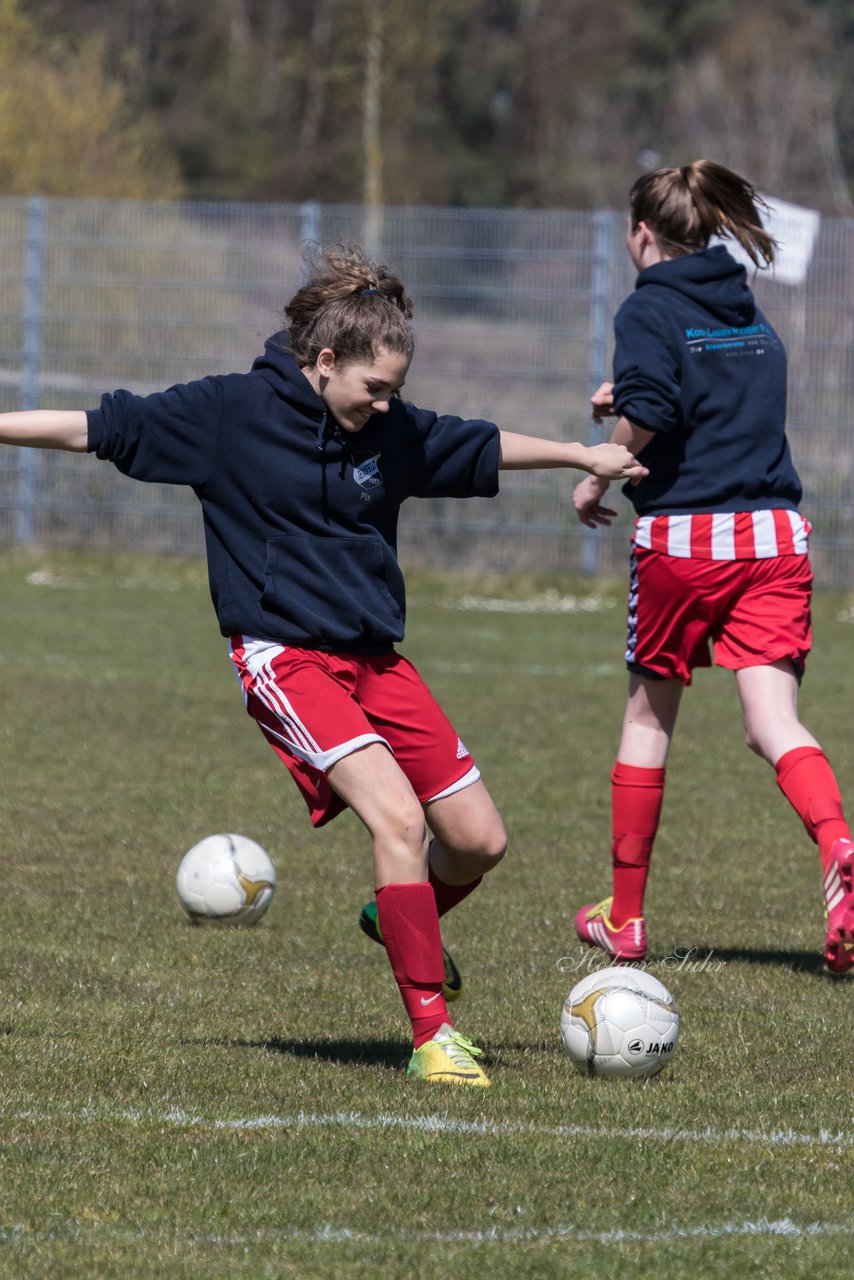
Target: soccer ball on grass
{"points": [[226, 879], [620, 1022]]}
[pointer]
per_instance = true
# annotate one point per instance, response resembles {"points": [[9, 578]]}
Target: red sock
{"points": [[448, 895], [636, 799], [808, 783], [410, 928]]}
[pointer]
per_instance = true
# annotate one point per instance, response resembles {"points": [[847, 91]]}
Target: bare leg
{"points": [[469, 835], [649, 722], [769, 701], [379, 793]]}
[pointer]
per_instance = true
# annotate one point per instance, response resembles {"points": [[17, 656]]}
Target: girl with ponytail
{"points": [[719, 558]]}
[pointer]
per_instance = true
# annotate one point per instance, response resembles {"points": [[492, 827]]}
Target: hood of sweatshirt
{"points": [[711, 279], [284, 375]]}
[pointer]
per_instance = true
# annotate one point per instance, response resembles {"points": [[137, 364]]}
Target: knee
{"points": [[469, 836], [402, 833], [498, 846], [408, 828], [490, 846]]}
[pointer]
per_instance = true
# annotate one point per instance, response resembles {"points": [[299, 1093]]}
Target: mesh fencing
{"points": [[513, 323]]}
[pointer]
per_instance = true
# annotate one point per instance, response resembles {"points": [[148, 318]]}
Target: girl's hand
{"points": [[586, 498], [614, 462], [603, 401]]}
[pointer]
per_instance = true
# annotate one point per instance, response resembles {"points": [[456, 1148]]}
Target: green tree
{"points": [[65, 128], [478, 102]]}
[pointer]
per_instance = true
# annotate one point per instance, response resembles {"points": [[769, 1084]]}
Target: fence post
{"points": [[31, 363], [599, 333], [309, 228]]}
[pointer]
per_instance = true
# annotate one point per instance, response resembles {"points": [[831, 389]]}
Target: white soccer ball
{"points": [[226, 879], [620, 1022]]}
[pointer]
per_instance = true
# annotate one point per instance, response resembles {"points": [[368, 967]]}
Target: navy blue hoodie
{"points": [[697, 363], [300, 517]]}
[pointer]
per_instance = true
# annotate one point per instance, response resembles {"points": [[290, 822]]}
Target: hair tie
{"points": [[366, 292]]}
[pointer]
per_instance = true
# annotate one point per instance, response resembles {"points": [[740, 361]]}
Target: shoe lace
{"points": [[459, 1048]]}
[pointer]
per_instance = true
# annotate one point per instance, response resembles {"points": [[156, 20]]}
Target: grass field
{"points": [[199, 1103]]}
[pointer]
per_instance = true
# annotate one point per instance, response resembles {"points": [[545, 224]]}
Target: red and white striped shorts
{"points": [[736, 585]]}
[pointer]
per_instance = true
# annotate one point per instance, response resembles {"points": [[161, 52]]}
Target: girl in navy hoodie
{"points": [[719, 553], [301, 467]]}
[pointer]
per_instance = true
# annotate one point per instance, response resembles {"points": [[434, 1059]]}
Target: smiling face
{"points": [[354, 392]]}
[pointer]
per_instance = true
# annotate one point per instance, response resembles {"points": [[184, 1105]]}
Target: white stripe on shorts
{"points": [[258, 658], [723, 536], [466, 780], [764, 535]]}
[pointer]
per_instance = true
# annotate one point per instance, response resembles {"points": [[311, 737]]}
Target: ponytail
{"points": [[350, 305], [685, 207]]}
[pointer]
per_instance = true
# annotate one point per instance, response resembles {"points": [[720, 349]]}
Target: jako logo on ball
{"points": [[620, 1022]]}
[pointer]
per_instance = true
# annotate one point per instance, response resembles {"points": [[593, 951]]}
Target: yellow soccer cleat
{"points": [[449, 1058]]}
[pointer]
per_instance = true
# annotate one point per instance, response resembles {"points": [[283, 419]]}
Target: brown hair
{"points": [[685, 207], [351, 305]]}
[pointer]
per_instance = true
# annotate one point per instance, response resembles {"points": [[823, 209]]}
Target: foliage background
{"points": [[463, 102]]}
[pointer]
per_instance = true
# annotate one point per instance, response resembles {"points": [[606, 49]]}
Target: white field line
{"points": [[447, 1124], [841, 1139], [547, 602], [329, 1234]]}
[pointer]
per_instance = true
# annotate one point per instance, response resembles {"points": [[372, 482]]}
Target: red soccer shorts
{"points": [[315, 708], [749, 613]]}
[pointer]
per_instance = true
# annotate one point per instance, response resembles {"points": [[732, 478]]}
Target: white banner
{"points": [[795, 229]]}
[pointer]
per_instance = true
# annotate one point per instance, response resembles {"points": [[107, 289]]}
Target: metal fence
{"points": [[513, 322]]}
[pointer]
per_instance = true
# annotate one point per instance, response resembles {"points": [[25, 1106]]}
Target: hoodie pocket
{"points": [[334, 590]]}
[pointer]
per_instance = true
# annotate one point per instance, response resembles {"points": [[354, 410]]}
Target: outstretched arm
{"points": [[46, 429], [608, 461]]}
